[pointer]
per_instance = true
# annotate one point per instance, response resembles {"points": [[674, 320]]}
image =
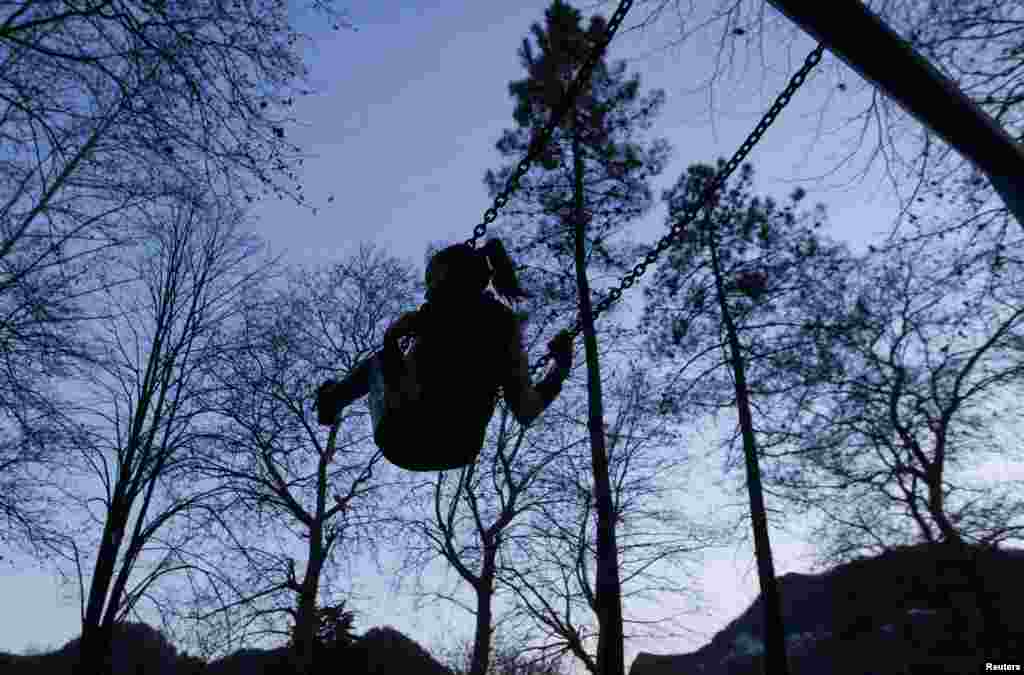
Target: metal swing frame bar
{"points": [[857, 36]]}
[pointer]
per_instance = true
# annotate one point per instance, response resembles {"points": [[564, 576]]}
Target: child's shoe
{"points": [[327, 407]]}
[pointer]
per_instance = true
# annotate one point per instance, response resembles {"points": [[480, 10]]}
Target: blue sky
{"points": [[404, 127]]}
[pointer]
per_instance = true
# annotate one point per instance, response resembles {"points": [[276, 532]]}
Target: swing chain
{"points": [[691, 211], [541, 140]]}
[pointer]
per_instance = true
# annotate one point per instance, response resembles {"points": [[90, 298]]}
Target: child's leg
{"points": [[333, 396], [392, 363], [355, 386], [400, 372]]}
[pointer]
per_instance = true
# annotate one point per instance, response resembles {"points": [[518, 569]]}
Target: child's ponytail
{"points": [[504, 278]]}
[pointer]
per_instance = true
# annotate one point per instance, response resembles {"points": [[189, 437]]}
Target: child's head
{"points": [[462, 271]]}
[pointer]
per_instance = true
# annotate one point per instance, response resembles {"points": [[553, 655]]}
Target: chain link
{"points": [[692, 210], [540, 142]]}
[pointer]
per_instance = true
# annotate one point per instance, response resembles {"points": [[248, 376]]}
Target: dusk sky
{"points": [[404, 127]]}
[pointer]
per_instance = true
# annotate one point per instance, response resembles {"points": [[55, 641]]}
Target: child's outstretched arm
{"points": [[333, 396], [527, 401]]}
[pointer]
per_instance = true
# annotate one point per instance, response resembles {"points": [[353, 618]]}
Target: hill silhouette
{"points": [[895, 613], [140, 648], [900, 612]]}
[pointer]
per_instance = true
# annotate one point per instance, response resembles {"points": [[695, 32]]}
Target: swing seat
{"points": [[416, 432]]}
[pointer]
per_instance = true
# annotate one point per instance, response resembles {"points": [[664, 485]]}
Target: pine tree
{"points": [[733, 300], [591, 181]]}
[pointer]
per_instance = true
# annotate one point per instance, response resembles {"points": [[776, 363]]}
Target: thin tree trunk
{"points": [[97, 630], [304, 637], [95, 644], [775, 637], [610, 655], [481, 658], [135, 543]]}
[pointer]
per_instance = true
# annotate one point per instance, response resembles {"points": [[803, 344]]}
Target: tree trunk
{"points": [[991, 628], [484, 594], [775, 637], [610, 656], [95, 651], [304, 637], [95, 644]]}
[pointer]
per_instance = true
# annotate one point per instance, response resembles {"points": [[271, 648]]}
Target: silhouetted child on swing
{"points": [[434, 405]]}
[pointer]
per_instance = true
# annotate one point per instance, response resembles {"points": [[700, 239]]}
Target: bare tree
{"points": [[926, 342], [522, 517], [108, 107], [929, 346], [471, 515], [296, 492], [137, 410], [105, 106], [196, 89], [548, 565]]}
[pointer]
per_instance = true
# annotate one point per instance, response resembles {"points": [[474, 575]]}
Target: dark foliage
{"points": [[334, 635]]}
